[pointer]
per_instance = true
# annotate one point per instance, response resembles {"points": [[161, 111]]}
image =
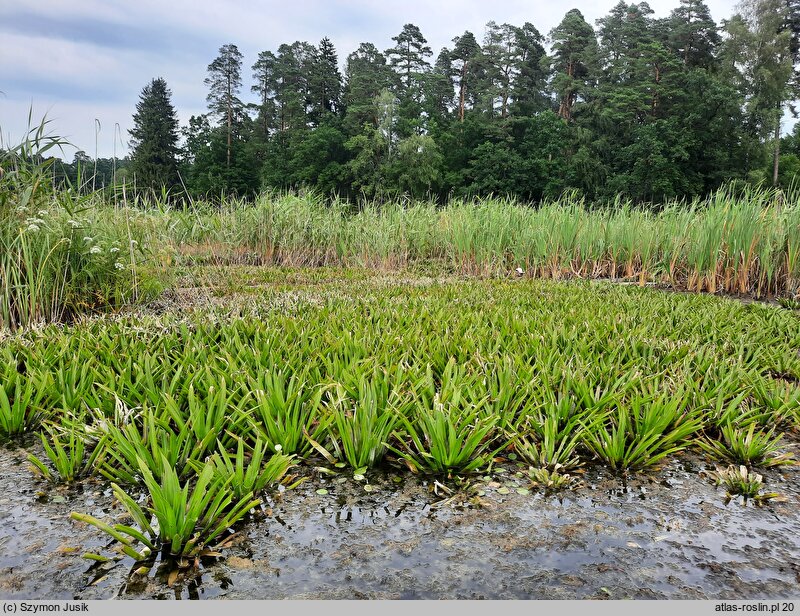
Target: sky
{"points": [[83, 64]]}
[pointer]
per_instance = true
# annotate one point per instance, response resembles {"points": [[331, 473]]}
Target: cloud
{"points": [[91, 59]]}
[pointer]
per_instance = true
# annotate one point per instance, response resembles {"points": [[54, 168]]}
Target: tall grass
{"points": [[60, 252], [745, 241]]}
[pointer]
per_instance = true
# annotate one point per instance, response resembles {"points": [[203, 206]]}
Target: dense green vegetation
{"points": [[65, 254], [651, 108], [209, 405], [439, 329], [60, 255], [738, 243], [66, 251]]}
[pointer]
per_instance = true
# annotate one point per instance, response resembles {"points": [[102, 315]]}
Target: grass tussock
{"points": [[62, 253], [740, 481]]}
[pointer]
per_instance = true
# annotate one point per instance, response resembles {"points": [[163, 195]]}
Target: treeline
{"points": [[89, 174], [635, 105]]}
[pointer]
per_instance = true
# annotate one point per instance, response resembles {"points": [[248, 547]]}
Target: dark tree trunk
{"points": [[230, 122], [777, 154], [462, 92]]}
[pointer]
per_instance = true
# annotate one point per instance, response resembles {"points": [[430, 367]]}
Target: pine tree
{"points": [[465, 56], [693, 33], [408, 59], [622, 34], [612, 44], [154, 137], [408, 56], [367, 75], [293, 71], [265, 86], [793, 24], [439, 91], [500, 63], [529, 89], [574, 60], [224, 81]]}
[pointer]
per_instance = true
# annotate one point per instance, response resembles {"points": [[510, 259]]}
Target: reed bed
{"points": [[744, 242]]}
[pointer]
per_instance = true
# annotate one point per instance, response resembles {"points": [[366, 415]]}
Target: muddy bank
{"points": [[666, 534]]}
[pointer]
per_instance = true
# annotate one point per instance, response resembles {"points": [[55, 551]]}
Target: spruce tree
{"points": [[325, 82], [154, 137]]}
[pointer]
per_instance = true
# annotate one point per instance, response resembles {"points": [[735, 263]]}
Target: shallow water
{"points": [[664, 534]]}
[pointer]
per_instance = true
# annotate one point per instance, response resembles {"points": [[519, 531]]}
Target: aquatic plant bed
{"points": [[347, 433]]}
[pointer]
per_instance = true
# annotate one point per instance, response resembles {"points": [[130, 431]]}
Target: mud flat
{"points": [[665, 534]]}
